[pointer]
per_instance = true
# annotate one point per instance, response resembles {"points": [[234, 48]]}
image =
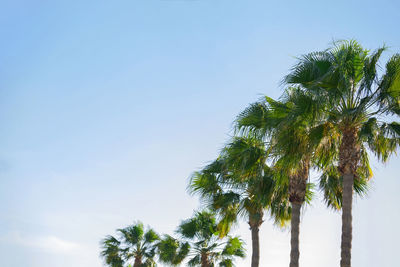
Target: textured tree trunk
{"points": [[349, 156], [205, 261], [255, 256], [297, 194], [295, 232], [138, 262], [255, 220], [347, 228]]}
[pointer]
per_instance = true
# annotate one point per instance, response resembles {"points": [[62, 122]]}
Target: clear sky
{"points": [[107, 107]]}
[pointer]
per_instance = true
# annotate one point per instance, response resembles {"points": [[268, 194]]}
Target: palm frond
{"points": [[171, 251], [111, 251], [389, 86]]}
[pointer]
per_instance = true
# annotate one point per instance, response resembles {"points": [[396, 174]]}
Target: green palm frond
{"points": [[244, 154], [311, 67], [202, 232], [134, 242], [226, 263], [111, 251], [171, 251], [256, 120], [132, 234], [382, 138], [151, 236], [204, 183], [149, 262], [195, 261], [201, 226], [331, 185], [234, 247], [370, 72], [389, 86]]}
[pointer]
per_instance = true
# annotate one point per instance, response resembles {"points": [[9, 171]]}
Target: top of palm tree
{"points": [[345, 78], [201, 231], [139, 243], [134, 243]]}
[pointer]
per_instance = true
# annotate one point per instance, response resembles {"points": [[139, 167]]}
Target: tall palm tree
{"points": [[355, 99], [291, 147], [207, 249], [134, 243], [240, 184]]}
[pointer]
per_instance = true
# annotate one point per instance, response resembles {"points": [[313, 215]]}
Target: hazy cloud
{"points": [[48, 243]]}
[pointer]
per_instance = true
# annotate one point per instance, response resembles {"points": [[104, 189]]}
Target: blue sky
{"points": [[107, 107]]}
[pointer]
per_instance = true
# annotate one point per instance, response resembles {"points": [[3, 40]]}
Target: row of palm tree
{"points": [[335, 110], [338, 107], [199, 244]]}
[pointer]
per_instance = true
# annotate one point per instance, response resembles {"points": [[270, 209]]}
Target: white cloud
{"points": [[49, 243]]}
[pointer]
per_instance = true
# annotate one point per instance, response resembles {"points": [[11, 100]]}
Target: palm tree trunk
{"points": [[138, 262], [295, 232], [255, 256], [347, 228], [204, 260], [297, 193], [255, 221], [349, 156]]}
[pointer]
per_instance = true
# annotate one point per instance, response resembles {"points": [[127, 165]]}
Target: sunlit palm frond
{"points": [[389, 87]]}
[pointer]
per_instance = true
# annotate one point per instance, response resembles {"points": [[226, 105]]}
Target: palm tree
{"points": [[134, 243], [344, 80], [171, 251], [207, 248], [139, 244], [111, 252], [240, 184], [291, 147]]}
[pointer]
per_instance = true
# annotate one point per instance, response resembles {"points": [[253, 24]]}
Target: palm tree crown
{"points": [[207, 248], [134, 244]]}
